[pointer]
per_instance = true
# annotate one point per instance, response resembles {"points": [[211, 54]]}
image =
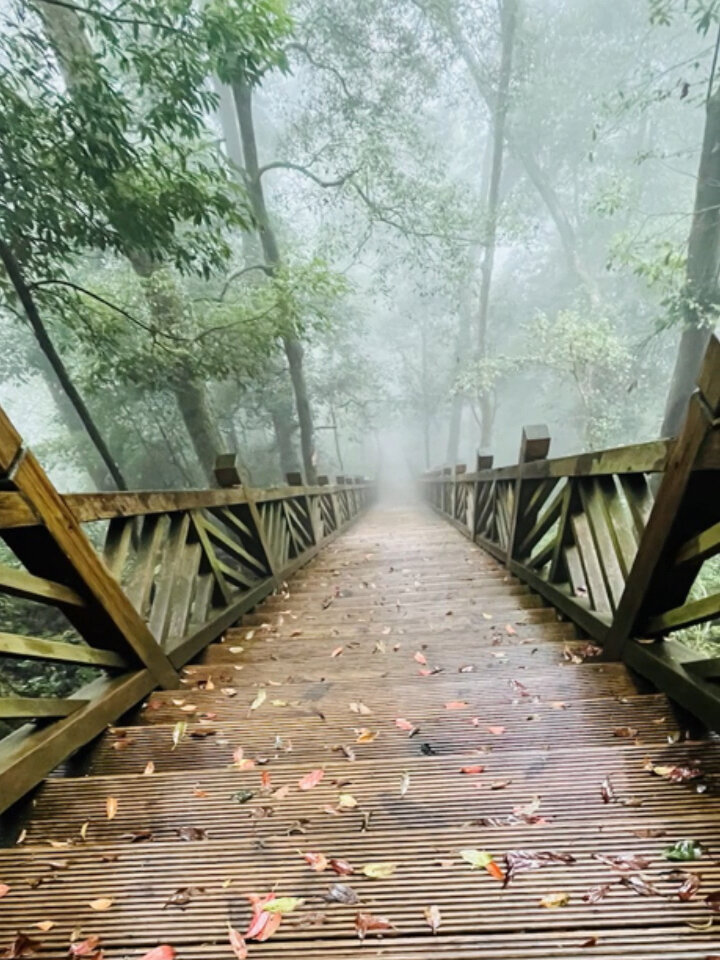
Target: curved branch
{"points": [[108, 16], [286, 165], [322, 66]]}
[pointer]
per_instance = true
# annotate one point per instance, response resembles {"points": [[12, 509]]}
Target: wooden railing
{"points": [[614, 539], [143, 581]]}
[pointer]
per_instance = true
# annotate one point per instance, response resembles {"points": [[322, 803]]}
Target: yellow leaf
{"points": [[84, 829], [102, 903], [554, 900], [346, 801], [259, 699], [111, 807], [379, 871], [149, 769], [366, 736]]}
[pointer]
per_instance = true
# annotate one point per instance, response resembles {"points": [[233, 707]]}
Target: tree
{"points": [[104, 147]]}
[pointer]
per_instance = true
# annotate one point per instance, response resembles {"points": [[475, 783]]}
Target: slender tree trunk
{"points": [[701, 294], [336, 437], [283, 427], [291, 344], [201, 425], [12, 268]]}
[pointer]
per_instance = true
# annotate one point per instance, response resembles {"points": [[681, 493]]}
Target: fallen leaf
{"points": [[496, 731], [404, 784], [402, 724], [88, 947], [596, 894], [263, 924], [368, 923], [163, 952], [192, 833], [342, 893], [237, 942], [554, 900], [101, 903], [358, 707], [242, 796], [111, 808], [455, 705], [341, 867], [518, 861], [283, 905], [178, 733], [689, 884], [365, 736], [627, 732], [420, 658], [683, 850], [45, 925], [337, 651], [346, 801], [623, 862], [379, 871], [640, 885], [149, 769], [317, 861], [482, 860], [713, 901], [607, 792], [477, 768], [259, 699], [311, 779], [4, 890], [676, 774], [510, 630], [433, 918]]}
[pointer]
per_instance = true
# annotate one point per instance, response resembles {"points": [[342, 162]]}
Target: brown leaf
{"points": [[596, 894], [641, 886], [341, 893], [518, 861], [22, 946], [627, 732], [237, 943], [192, 833], [623, 862], [84, 948], [607, 792], [341, 867], [369, 923]]}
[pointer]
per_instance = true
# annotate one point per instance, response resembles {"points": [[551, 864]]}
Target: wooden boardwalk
{"points": [[400, 657]]}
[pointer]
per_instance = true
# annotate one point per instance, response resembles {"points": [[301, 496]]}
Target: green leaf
{"points": [[683, 850]]}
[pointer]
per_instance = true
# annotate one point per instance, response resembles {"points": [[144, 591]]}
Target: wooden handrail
{"points": [[175, 570], [614, 539]]}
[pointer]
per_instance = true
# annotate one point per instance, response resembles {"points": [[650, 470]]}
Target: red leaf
{"points": [[341, 867], [337, 651], [318, 861], [368, 923], [163, 952], [237, 942], [311, 779], [4, 890], [478, 768], [420, 658], [510, 630], [455, 705], [263, 924], [497, 731], [402, 724], [87, 948], [265, 780]]}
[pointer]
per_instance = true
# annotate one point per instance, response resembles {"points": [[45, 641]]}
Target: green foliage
{"points": [[703, 12]]}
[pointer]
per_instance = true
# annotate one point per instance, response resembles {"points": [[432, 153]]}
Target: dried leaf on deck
{"points": [[379, 871], [341, 893], [518, 861], [433, 917], [311, 779], [111, 807], [369, 923]]}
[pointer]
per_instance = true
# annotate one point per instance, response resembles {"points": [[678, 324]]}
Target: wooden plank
{"points": [[64, 529], [20, 583], [37, 648], [564, 534], [619, 523], [183, 593], [15, 511], [594, 580], [29, 754], [199, 526], [144, 564], [36, 707], [170, 564], [117, 545], [605, 548], [693, 612], [10, 443], [549, 514], [700, 547], [639, 498]]}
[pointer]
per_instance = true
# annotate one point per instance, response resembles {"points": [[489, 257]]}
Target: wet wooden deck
{"points": [[400, 623]]}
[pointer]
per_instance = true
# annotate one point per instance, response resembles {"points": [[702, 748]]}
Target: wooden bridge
{"points": [[303, 740]]}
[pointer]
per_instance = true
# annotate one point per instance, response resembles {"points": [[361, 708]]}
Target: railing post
{"points": [[534, 445], [294, 479], [483, 461], [653, 582], [458, 489]]}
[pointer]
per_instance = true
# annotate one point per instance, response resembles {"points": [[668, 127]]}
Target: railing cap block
{"points": [[226, 470], [535, 443]]}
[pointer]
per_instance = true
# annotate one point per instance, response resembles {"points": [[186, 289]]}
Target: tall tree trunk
{"points": [[701, 295], [166, 306], [283, 426], [291, 344], [445, 15], [12, 268]]}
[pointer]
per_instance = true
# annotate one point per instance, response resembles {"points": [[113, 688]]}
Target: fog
{"points": [[463, 216]]}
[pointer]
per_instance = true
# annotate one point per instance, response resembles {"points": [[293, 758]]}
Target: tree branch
{"points": [[323, 66], [286, 165], [124, 21]]}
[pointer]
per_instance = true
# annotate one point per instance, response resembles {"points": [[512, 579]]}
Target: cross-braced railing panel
{"points": [[622, 541], [138, 583]]}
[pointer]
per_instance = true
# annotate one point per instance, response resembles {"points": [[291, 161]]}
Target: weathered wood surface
{"points": [[400, 584]]}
